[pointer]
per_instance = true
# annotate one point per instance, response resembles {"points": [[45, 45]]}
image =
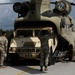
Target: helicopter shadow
{"points": [[29, 66]]}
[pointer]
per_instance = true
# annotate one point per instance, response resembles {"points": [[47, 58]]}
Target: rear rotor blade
{"points": [[6, 3], [72, 3], [53, 2]]}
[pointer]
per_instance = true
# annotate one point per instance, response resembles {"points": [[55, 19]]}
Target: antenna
{"points": [[61, 0]]}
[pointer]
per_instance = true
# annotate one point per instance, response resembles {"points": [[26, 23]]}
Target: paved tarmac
{"points": [[57, 69]]}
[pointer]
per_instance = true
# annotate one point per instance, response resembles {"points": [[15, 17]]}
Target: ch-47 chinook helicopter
{"points": [[34, 16]]}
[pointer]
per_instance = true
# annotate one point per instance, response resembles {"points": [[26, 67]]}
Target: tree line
{"points": [[8, 32]]}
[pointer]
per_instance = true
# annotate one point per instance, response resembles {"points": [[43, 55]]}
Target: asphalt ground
{"points": [[30, 67]]}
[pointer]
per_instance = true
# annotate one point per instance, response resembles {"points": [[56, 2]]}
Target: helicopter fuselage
{"points": [[40, 17]]}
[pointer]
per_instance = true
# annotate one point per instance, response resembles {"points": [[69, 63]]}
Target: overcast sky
{"points": [[7, 15]]}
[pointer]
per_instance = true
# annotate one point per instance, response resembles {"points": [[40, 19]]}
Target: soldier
{"points": [[3, 48], [44, 53]]}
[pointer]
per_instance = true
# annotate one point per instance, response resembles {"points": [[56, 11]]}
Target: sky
{"points": [[7, 15]]}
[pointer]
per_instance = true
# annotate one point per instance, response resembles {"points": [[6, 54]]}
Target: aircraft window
{"points": [[24, 33], [40, 32]]}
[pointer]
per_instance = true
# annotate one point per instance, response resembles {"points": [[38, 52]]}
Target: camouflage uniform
{"points": [[3, 46], [44, 53]]}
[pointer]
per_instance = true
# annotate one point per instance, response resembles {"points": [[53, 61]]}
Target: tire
{"points": [[51, 59], [70, 53], [13, 59], [70, 56]]}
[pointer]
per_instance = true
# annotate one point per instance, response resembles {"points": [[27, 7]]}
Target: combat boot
{"points": [[3, 66], [41, 68], [46, 68]]}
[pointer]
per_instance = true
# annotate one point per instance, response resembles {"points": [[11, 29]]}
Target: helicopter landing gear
{"points": [[69, 53]]}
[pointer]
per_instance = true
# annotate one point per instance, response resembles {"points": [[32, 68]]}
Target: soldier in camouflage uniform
{"points": [[3, 48], [44, 35]]}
